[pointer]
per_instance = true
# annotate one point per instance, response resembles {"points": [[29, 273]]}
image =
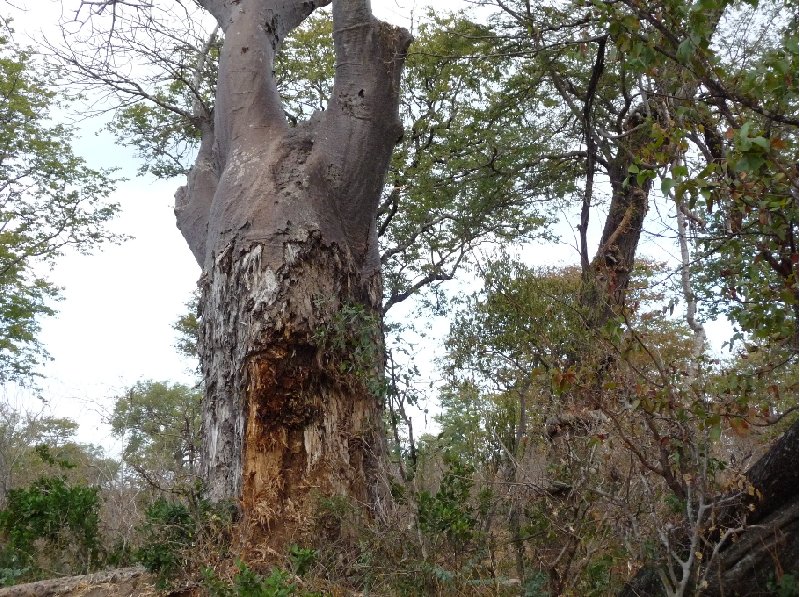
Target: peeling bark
{"points": [[281, 419], [282, 220]]}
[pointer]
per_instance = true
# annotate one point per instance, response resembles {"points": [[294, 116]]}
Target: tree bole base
{"points": [[287, 406], [307, 438]]}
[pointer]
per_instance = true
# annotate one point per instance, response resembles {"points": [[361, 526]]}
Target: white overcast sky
{"points": [[114, 323]]}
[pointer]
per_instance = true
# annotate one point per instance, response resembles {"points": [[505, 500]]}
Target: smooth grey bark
{"points": [[282, 220]]}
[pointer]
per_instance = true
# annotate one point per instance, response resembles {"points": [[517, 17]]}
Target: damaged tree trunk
{"points": [[282, 221]]}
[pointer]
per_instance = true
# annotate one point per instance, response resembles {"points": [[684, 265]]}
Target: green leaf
{"points": [[685, 51], [644, 176], [760, 142], [680, 171], [50, 200], [749, 162], [744, 132]]}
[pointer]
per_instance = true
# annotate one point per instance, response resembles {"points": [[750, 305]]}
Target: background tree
{"points": [[660, 102], [51, 512], [49, 527], [648, 94], [515, 343], [160, 426], [36, 445], [50, 200]]}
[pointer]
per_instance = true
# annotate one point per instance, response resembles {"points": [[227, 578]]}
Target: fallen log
{"points": [[121, 582]]}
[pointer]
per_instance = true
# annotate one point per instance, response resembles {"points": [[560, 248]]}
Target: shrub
{"points": [[168, 531], [448, 511], [178, 539], [247, 583], [49, 525]]}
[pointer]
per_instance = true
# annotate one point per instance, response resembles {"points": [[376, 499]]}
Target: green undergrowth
{"points": [[50, 527]]}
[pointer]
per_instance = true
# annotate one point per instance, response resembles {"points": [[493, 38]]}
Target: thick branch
{"points": [[360, 126], [219, 9], [597, 72], [193, 201], [248, 104]]}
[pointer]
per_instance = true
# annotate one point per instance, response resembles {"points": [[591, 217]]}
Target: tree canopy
{"points": [[160, 425], [50, 201]]}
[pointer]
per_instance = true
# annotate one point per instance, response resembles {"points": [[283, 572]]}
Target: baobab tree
{"points": [[428, 219], [282, 220]]}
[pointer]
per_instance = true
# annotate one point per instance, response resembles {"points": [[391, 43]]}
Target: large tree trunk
{"points": [[282, 220]]}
